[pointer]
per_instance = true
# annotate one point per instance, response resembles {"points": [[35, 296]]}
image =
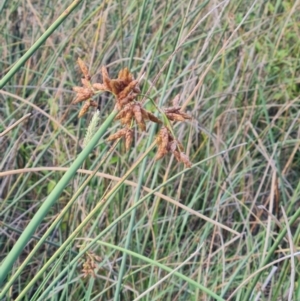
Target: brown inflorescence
{"points": [[86, 92], [89, 103], [168, 144], [127, 133], [89, 265], [135, 111], [174, 114], [126, 89]]}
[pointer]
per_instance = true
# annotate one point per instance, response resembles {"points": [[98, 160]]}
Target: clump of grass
{"points": [[227, 227]]}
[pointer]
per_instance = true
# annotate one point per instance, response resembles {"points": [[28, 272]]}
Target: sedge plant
{"points": [[130, 112]]}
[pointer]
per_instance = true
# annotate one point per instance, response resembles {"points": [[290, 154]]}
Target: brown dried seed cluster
{"points": [[126, 133], [174, 114], [89, 103], [84, 69], [86, 92], [89, 265], [135, 111], [125, 87], [132, 112], [168, 144]]}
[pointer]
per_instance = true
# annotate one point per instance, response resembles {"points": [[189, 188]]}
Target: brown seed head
{"points": [[149, 116], [185, 160], [117, 135], [172, 146], [84, 109], [126, 133], [89, 265], [84, 69], [128, 89], [134, 110], [168, 144], [125, 76], [138, 116], [127, 118], [125, 115], [99, 87], [86, 106], [125, 88], [106, 79], [124, 101], [82, 94], [177, 155], [175, 117], [162, 140], [174, 114], [128, 139]]}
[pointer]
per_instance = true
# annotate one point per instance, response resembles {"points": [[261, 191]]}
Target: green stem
{"points": [[51, 199], [59, 217], [130, 229], [73, 235], [163, 267], [105, 231], [37, 44], [272, 251]]}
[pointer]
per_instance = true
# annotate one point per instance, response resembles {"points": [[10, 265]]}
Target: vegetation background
{"points": [[236, 65]]}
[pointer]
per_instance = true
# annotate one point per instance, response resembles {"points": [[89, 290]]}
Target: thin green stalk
{"points": [[37, 44], [2, 6], [47, 277], [133, 47], [51, 199], [42, 239], [37, 238], [136, 198], [87, 219], [273, 249], [163, 267], [19, 195], [130, 228], [165, 119], [113, 224]]}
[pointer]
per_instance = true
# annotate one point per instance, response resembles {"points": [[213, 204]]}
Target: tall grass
{"points": [[103, 223]]}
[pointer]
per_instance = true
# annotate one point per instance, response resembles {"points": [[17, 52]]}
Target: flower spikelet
{"points": [[89, 265], [135, 111], [117, 135], [83, 93], [126, 133], [86, 106], [167, 143], [128, 139], [84, 69], [162, 140], [86, 92], [175, 114], [125, 88]]}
